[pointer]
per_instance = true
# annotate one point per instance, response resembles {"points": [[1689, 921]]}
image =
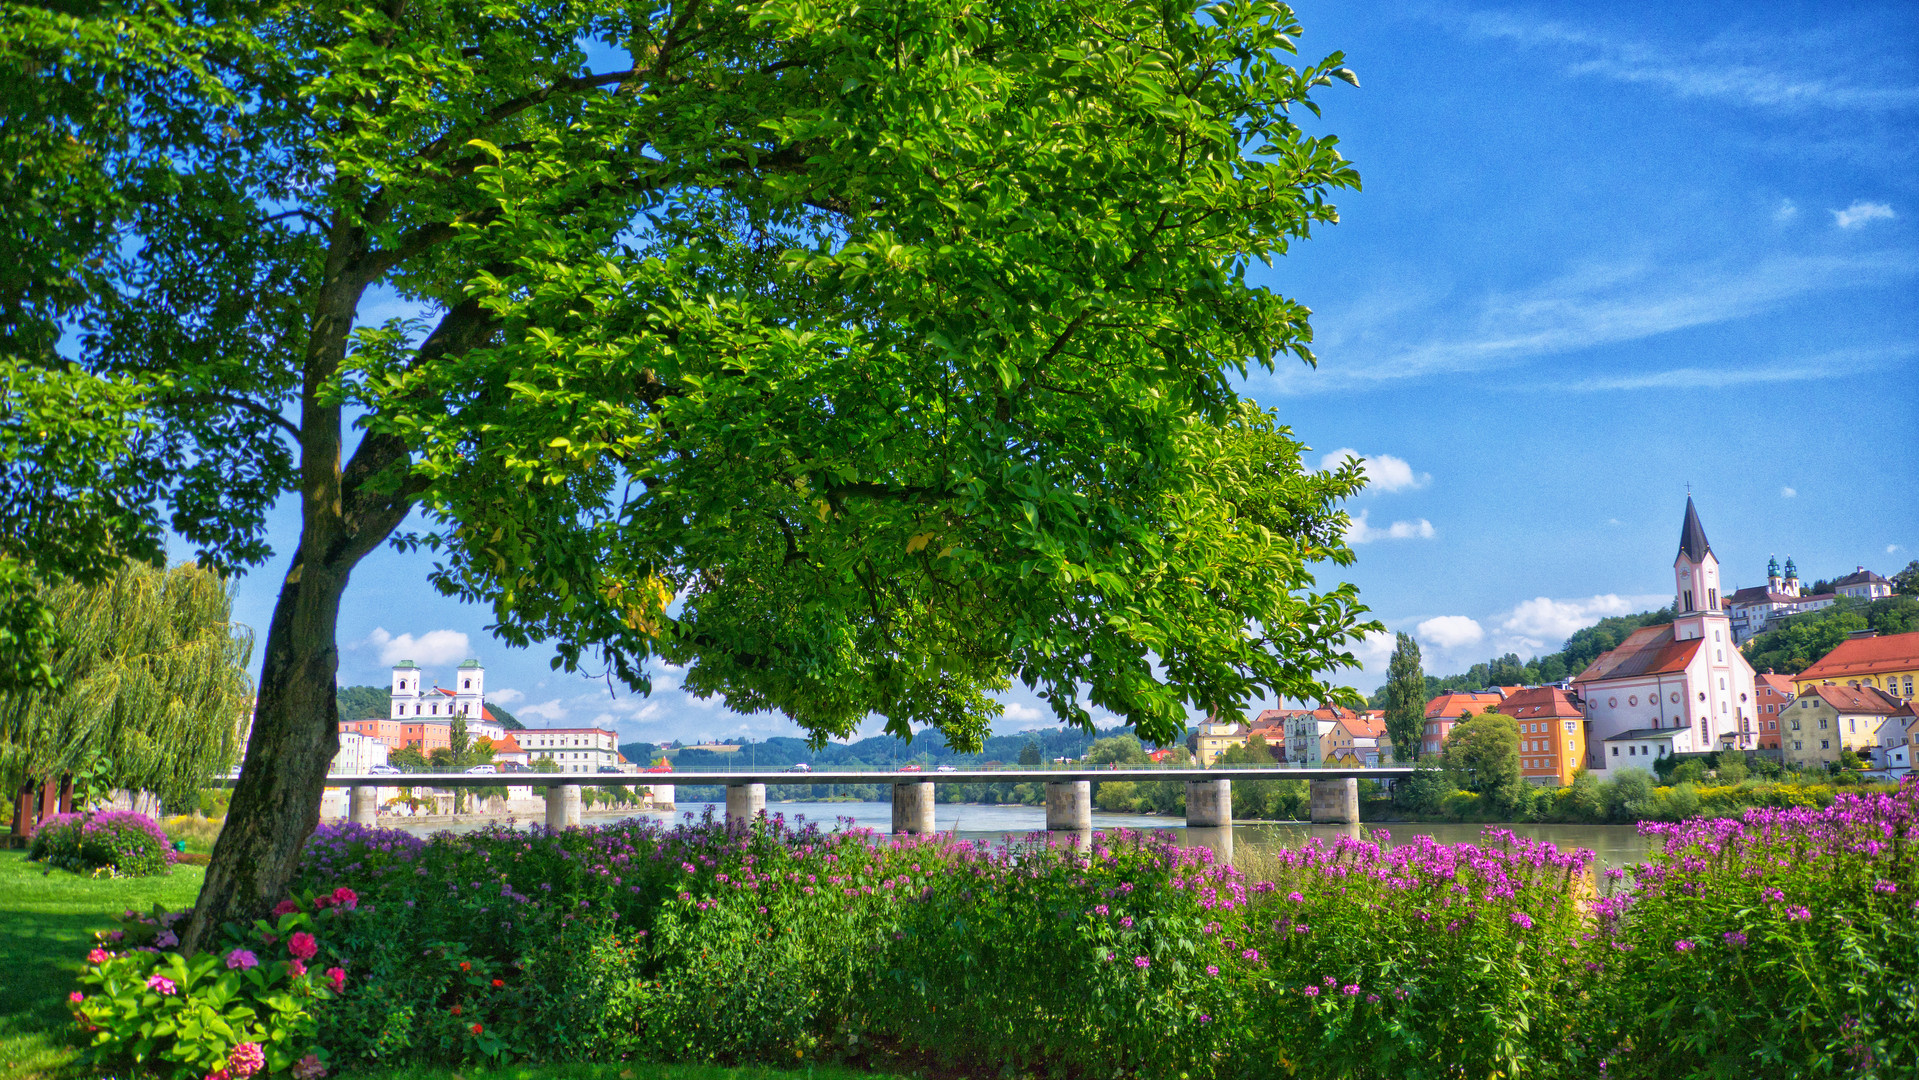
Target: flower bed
{"points": [[118, 842], [1780, 945]]}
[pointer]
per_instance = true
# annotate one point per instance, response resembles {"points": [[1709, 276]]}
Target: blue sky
{"points": [[1601, 253]]}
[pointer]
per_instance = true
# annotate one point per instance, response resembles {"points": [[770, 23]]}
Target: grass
{"points": [[47, 923]]}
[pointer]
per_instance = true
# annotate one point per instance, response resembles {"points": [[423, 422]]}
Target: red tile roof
{"points": [[1649, 650], [1450, 705], [1540, 703], [1856, 699], [507, 745], [1781, 685], [1866, 656]]}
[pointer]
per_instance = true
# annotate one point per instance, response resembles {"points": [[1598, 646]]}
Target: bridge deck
{"points": [[781, 777]]}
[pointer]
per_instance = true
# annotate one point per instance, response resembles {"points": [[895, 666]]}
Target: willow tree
{"points": [[860, 357], [152, 676]]}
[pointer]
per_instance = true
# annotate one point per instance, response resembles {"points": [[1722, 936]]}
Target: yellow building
{"points": [[1889, 663], [1552, 734], [1215, 738], [1827, 719]]}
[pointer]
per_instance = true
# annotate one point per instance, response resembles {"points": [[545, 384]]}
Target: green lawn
{"points": [[47, 922]]}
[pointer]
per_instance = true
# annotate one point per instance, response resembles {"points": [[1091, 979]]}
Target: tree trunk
{"points": [[276, 803]]}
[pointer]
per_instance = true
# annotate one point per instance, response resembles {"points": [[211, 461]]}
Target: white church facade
{"points": [[415, 702], [1679, 688]]}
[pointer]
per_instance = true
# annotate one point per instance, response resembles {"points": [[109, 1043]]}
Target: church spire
{"points": [[1692, 535]]}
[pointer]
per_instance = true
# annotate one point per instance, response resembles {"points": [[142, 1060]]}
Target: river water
{"points": [[1612, 845]]}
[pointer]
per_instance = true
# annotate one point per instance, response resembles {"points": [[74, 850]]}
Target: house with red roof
{"points": [[1448, 709], [1552, 734], [1685, 678], [1772, 694], [1889, 662], [1826, 720]]}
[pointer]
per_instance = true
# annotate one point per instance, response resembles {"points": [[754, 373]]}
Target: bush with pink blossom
{"points": [[119, 843]]}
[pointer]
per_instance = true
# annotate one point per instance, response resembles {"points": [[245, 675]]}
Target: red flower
{"points": [[477, 1029], [456, 1010], [497, 983], [464, 966]]}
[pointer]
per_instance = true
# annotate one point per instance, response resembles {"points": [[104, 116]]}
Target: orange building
{"points": [[1552, 734], [1445, 710], [1772, 693], [407, 732]]}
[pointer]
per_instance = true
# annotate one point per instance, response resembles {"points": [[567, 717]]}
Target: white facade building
{"points": [[1687, 678], [358, 755], [584, 750]]}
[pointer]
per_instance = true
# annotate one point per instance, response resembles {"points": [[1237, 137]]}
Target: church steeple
{"points": [[1692, 535], [1695, 573]]}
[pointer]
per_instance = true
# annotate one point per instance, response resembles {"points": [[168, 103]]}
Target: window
{"points": [[1615, 751], [1686, 599], [1825, 744], [1852, 724], [1822, 723], [1712, 601], [1795, 723], [467, 685]]}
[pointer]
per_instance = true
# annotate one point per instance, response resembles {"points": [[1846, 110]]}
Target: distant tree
{"points": [[503, 718], [1731, 769], [1906, 582], [441, 759], [152, 677], [1405, 698], [1508, 670], [1482, 754], [1118, 750], [1797, 642], [408, 757], [362, 702], [1029, 754], [458, 742], [545, 765], [641, 753]]}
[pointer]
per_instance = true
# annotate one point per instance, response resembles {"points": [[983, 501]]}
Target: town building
{"points": [[358, 755], [1751, 609], [1773, 694], [1686, 677], [1896, 742], [1863, 584], [1552, 734], [582, 750], [1448, 709], [1217, 736], [1639, 748], [1825, 720], [508, 751], [1889, 662], [423, 716], [398, 733]]}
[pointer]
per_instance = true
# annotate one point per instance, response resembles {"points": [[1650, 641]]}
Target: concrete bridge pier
{"points": [[363, 805], [1209, 803], [1335, 801], [1217, 837], [913, 808], [1069, 806], [744, 802], [562, 806]]}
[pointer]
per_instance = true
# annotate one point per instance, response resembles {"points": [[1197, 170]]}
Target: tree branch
{"points": [[248, 404]]}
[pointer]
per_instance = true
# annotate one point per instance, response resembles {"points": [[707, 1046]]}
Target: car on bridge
{"points": [[799, 766], [914, 767], [478, 770], [386, 770], [946, 768]]}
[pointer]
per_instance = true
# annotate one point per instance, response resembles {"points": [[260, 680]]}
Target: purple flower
{"points": [[1682, 945], [1249, 954], [241, 960], [1295, 898], [1522, 920], [1798, 914], [1142, 962], [1312, 991], [1772, 895], [1212, 969], [1126, 923], [1884, 886], [1205, 1019], [1734, 938]]}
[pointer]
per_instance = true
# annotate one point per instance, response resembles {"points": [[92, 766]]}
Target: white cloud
{"points": [[1544, 619], [1451, 631], [1384, 472], [1892, 549], [1374, 651], [431, 648], [1024, 714], [1838, 363], [504, 697], [1601, 303], [1786, 212], [1788, 493], [1359, 531], [1861, 212], [545, 710]]}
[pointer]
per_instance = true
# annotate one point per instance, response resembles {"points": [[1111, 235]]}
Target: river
{"points": [[1612, 845]]}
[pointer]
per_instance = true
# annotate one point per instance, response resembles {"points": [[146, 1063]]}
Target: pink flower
{"points": [[346, 898], [241, 960], [1682, 945], [1798, 914], [338, 977], [246, 1059], [162, 985], [76, 998], [1312, 991], [1141, 962], [296, 968], [285, 907], [309, 1068], [302, 946], [167, 939], [1212, 969]]}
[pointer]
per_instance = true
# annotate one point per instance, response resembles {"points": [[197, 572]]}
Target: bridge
{"points": [[1334, 793]]}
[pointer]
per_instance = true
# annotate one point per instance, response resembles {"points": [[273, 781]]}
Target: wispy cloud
{"points": [[1831, 365], [1788, 493], [1556, 620], [1600, 303], [1360, 531], [1860, 212], [1751, 71], [432, 648], [1786, 212]]}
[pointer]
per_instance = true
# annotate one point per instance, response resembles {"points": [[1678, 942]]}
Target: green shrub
{"points": [[119, 843]]}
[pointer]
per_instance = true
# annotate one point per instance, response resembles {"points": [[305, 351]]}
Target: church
{"points": [[1674, 689]]}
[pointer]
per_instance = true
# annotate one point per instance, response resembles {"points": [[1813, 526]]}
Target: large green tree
{"points": [[1482, 754], [859, 357], [1405, 698], [152, 678]]}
